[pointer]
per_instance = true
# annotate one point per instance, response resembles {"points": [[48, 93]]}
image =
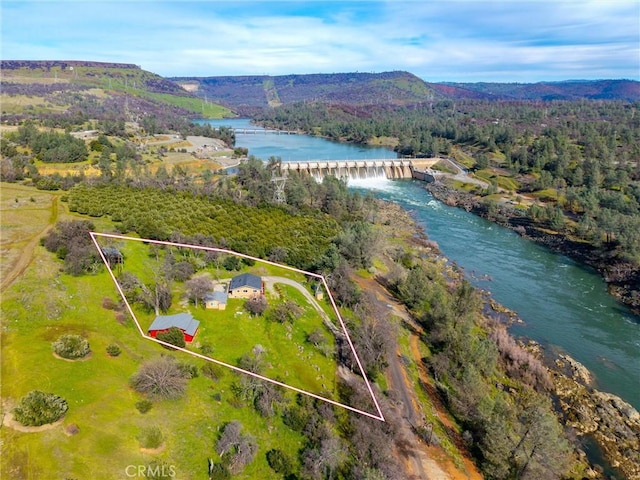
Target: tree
{"points": [[287, 311], [38, 408], [235, 448], [72, 243], [197, 288], [174, 336], [160, 378], [323, 459], [256, 305], [374, 338], [344, 290], [414, 289]]}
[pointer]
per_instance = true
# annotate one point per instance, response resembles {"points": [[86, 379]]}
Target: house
{"points": [[183, 321], [245, 285], [216, 300]]}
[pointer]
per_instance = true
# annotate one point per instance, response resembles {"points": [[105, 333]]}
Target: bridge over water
{"points": [[260, 131], [390, 168]]}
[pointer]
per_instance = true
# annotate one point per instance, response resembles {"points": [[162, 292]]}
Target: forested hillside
{"points": [[388, 88], [400, 88], [546, 91], [568, 168]]}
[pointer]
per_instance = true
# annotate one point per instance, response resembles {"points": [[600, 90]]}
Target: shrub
{"points": [[144, 406], [211, 370], [71, 346], [150, 437], [174, 336], [188, 370], [38, 408], [113, 350], [219, 472], [109, 304], [279, 461]]}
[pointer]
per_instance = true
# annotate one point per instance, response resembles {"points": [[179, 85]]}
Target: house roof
{"points": [[184, 321], [111, 251], [246, 280], [216, 296]]}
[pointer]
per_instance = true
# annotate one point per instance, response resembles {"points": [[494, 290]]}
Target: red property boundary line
{"points": [[380, 416]]}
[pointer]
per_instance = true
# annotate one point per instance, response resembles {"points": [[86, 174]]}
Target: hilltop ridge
{"points": [[356, 88]]}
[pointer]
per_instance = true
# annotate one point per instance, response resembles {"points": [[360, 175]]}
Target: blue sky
{"points": [[447, 40]]}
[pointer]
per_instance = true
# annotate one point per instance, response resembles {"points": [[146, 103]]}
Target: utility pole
{"points": [[279, 179]]}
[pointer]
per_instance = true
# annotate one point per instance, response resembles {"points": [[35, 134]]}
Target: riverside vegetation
{"points": [[567, 173], [499, 394]]}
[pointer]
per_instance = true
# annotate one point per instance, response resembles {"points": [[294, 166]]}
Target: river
{"points": [[564, 305]]}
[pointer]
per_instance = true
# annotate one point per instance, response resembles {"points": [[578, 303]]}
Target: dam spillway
{"points": [[359, 169]]}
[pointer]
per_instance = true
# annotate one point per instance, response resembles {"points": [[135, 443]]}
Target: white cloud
{"points": [[473, 40]]}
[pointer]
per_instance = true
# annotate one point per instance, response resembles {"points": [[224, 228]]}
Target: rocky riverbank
{"points": [[589, 415], [610, 421], [623, 278]]}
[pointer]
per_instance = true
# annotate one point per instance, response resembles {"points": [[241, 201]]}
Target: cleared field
{"points": [[20, 103], [25, 214]]}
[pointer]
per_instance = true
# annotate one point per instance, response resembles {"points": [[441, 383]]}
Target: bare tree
{"points": [[235, 448], [197, 288], [325, 458], [287, 311], [256, 305], [160, 378]]}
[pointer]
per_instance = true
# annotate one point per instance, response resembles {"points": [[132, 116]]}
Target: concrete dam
{"points": [[360, 169]]}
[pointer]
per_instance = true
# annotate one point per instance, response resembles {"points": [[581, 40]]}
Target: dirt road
{"points": [[422, 461], [26, 255]]}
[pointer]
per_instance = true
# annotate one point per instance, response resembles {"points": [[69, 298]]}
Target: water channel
{"points": [[565, 306]]}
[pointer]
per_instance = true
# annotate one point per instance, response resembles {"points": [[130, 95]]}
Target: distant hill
{"points": [[50, 79], [568, 90], [396, 88], [400, 88]]}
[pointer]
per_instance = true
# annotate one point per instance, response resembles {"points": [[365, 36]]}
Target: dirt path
{"points": [[462, 174], [422, 461], [26, 255]]}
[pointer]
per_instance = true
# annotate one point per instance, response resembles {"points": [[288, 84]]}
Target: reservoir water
{"points": [[565, 306]]}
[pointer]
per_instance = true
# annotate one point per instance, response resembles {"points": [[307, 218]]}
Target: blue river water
{"points": [[565, 306]]}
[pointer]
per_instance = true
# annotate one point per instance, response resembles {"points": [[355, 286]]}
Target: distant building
{"points": [[113, 256], [216, 300], [245, 285], [183, 321]]}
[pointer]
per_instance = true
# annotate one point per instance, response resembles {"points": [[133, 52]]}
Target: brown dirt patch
{"points": [[153, 451], [9, 421], [83, 359]]}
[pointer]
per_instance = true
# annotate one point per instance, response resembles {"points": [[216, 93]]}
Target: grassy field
{"points": [[13, 104], [196, 105], [233, 332], [101, 403]]}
